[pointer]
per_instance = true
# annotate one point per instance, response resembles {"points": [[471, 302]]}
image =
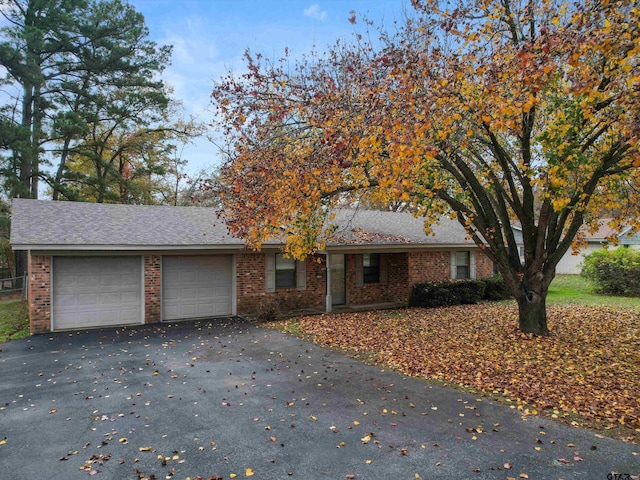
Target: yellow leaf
{"points": [[123, 440], [145, 449], [3, 441], [248, 472], [232, 475]]}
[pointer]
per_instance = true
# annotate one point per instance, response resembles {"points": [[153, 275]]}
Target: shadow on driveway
{"points": [[214, 398]]}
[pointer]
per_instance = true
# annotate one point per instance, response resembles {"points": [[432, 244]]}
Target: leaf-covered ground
{"points": [[587, 372]]}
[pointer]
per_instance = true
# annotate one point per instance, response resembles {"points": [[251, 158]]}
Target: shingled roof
{"points": [[360, 227], [41, 225]]}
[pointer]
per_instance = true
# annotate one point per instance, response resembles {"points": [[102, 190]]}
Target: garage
{"points": [[196, 286], [93, 292]]}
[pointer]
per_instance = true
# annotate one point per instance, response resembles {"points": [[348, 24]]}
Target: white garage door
{"points": [[96, 291], [196, 286]]}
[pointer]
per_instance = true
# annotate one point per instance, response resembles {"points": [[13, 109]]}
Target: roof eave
{"points": [[237, 247]]}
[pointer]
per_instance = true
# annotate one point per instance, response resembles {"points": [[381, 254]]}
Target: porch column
{"points": [[328, 300]]}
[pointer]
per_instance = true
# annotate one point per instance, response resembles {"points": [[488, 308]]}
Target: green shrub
{"points": [[443, 294], [495, 289], [614, 272]]}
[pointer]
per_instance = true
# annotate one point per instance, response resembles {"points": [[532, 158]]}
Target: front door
{"points": [[338, 284]]}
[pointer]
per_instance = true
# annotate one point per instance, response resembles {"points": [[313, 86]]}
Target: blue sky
{"points": [[209, 38]]}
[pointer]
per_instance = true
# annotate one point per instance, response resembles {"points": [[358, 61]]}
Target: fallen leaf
{"points": [[434, 340], [248, 472]]}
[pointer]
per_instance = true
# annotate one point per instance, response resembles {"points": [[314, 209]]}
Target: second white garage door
{"points": [[196, 286]]}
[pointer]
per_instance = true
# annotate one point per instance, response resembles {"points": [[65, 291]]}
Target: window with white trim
{"points": [[463, 265]]}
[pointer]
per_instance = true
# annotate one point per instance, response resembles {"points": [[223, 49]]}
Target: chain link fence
{"points": [[13, 286]]}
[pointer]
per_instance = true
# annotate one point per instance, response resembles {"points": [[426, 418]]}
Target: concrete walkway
{"points": [[223, 398]]}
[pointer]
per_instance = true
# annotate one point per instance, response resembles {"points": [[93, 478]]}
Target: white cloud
{"points": [[314, 12]]}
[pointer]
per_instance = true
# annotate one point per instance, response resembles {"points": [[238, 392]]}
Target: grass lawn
{"points": [[586, 373], [574, 289], [14, 321]]}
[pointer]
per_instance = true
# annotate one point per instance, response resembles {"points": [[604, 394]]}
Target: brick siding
{"points": [[393, 290], [39, 293], [152, 288], [251, 286], [484, 266], [403, 270]]}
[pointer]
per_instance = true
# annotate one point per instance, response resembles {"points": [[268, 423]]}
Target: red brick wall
{"points": [[484, 266], [393, 290], [398, 287], [403, 270], [250, 285], [152, 288], [429, 266], [39, 293], [435, 266]]}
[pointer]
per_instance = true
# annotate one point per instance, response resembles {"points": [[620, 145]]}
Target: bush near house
{"points": [[614, 272], [495, 289], [442, 294]]}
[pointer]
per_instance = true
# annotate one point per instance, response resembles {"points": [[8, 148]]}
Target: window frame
{"points": [[371, 272], [285, 278], [467, 265]]}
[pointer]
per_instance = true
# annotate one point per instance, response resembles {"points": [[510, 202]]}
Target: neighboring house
{"points": [[572, 264], [94, 265]]}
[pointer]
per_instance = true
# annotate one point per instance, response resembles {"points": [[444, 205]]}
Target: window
{"points": [[371, 268], [463, 265], [285, 272]]}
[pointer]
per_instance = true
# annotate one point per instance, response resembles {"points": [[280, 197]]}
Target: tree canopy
{"points": [[82, 79], [519, 118]]}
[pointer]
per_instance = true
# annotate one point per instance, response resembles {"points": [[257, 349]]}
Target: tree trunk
{"points": [[532, 312]]}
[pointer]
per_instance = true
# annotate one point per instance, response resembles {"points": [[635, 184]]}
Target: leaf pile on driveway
{"points": [[586, 372]]}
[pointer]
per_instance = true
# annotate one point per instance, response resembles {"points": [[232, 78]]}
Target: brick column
{"points": [[39, 292], [152, 288]]}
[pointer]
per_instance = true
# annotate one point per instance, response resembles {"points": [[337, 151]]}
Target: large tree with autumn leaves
{"points": [[518, 118]]}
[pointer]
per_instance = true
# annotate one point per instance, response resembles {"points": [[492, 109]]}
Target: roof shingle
{"points": [[48, 224]]}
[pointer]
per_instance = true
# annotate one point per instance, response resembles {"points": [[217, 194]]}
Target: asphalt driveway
{"points": [[224, 398]]}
